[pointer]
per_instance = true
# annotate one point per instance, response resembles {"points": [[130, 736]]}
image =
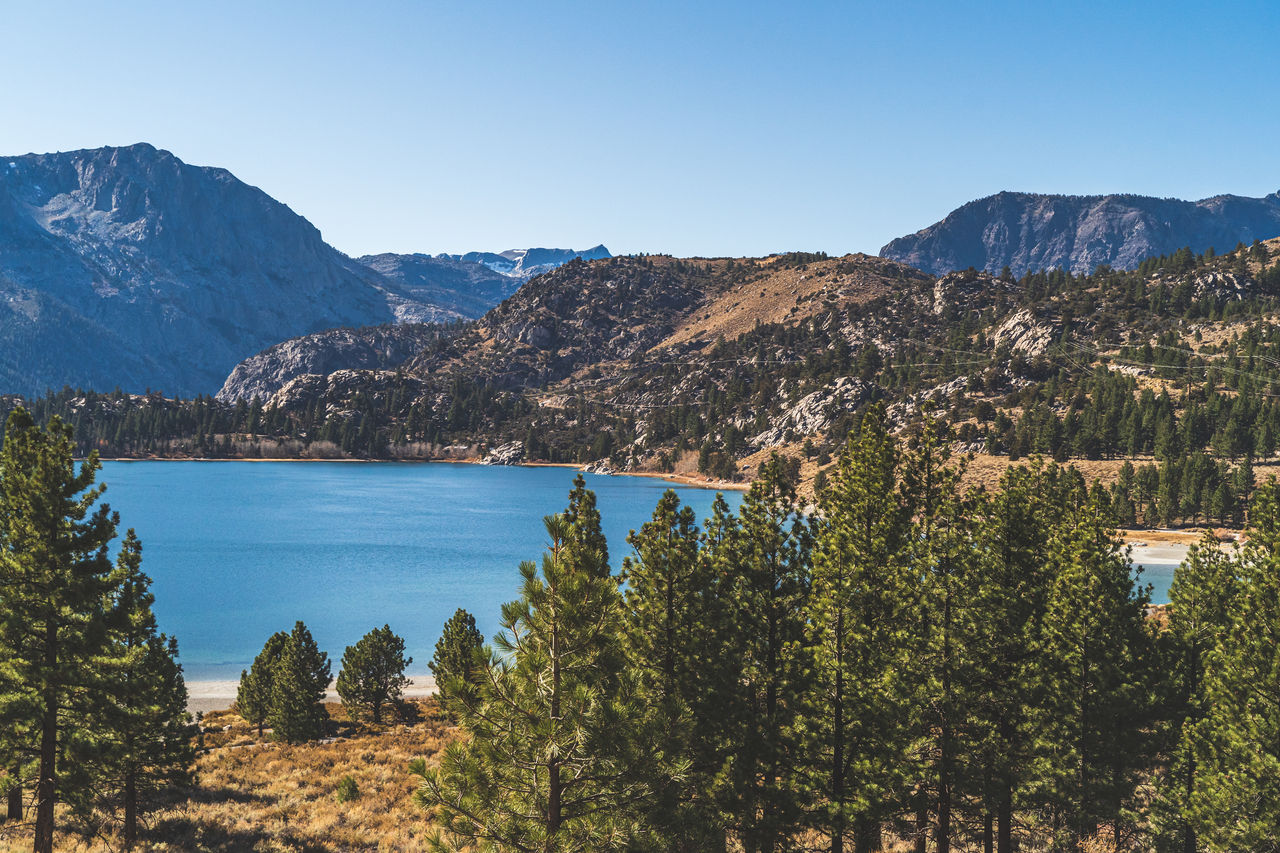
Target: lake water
{"points": [[238, 550]]}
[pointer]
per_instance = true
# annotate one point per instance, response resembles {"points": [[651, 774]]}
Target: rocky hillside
{"points": [[1028, 231], [323, 353], [708, 366], [127, 267]]}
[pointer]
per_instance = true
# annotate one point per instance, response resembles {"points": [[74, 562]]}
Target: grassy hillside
{"points": [[259, 796]]}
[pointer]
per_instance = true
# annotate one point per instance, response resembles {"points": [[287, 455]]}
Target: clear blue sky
{"points": [[705, 128]]}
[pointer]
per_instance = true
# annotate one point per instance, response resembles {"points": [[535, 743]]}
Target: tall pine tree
{"points": [[555, 759], [853, 717], [54, 586]]}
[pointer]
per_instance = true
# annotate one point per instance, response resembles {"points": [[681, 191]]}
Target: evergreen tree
{"points": [[372, 673], [1015, 526], [298, 684], [854, 737], [459, 653], [145, 745], [253, 697], [675, 640], [1202, 601], [941, 642], [556, 757], [767, 558], [587, 537], [54, 585], [1094, 703], [1235, 805]]}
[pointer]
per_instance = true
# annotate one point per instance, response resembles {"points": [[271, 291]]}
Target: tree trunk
{"points": [[1004, 807], [867, 839], [14, 812], [45, 787], [837, 744], [988, 837], [130, 812], [922, 825]]}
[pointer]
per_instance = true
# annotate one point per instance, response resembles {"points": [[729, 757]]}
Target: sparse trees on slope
{"points": [[298, 684], [372, 673], [54, 582]]}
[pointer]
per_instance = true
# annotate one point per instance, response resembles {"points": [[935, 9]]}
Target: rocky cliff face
{"points": [[1028, 232], [127, 267], [322, 353]]}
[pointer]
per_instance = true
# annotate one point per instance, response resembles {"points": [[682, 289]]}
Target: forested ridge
{"points": [[661, 364]]}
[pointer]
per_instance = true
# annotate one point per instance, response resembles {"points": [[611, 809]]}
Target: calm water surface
{"points": [[238, 550]]}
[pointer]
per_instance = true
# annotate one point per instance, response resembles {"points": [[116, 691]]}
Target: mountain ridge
{"points": [[127, 267], [1078, 233]]}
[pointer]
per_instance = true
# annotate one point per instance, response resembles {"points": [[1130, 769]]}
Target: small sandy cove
{"points": [[1168, 547], [220, 695]]}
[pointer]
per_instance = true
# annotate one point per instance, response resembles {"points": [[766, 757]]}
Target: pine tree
{"points": [[941, 665], [1236, 802], [459, 653], [145, 746], [854, 737], [1094, 702], [1202, 601], [766, 557], [1015, 526], [372, 673], [298, 684], [557, 758], [253, 697], [676, 643], [54, 582], [587, 538]]}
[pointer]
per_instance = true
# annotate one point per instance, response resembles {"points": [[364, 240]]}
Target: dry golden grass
{"points": [[261, 797], [786, 295]]}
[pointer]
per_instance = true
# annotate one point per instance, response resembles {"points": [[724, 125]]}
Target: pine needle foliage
{"points": [[552, 761]]}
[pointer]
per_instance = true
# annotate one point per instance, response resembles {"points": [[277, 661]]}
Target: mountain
{"points": [[467, 288], [473, 283], [128, 267], [526, 263], [1029, 231]]}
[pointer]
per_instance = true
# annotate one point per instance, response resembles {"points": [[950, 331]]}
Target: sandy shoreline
{"points": [[220, 694], [677, 479]]}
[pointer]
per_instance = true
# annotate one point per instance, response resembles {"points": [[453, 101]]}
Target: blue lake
{"points": [[238, 550]]}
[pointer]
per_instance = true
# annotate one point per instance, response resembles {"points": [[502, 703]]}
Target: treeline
{"points": [[950, 668], [92, 701]]}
